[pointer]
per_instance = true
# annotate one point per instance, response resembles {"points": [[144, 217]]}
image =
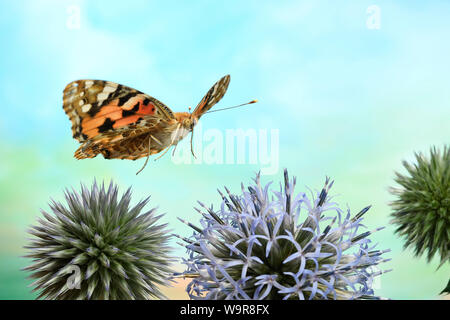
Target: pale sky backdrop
{"points": [[346, 101]]}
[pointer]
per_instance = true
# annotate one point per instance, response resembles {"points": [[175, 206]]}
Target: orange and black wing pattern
{"points": [[97, 108], [112, 119]]}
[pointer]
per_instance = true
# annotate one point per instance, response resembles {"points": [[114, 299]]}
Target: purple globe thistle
{"points": [[254, 248]]}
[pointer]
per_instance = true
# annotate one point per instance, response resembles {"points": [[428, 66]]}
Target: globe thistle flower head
{"points": [[279, 245], [97, 247], [421, 210]]}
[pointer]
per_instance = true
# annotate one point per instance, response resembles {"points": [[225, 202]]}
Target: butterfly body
{"points": [[123, 123]]}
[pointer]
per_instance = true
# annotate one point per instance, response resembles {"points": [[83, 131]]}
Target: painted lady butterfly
{"points": [[123, 123]]}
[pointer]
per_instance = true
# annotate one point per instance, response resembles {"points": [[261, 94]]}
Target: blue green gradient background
{"points": [[349, 102]]}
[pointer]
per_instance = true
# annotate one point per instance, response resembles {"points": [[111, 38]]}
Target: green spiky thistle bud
{"points": [[446, 289], [422, 208], [97, 247]]}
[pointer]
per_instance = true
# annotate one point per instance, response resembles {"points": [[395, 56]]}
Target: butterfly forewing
{"points": [[213, 96], [97, 107]]}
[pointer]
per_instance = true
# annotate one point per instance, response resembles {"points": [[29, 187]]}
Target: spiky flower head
{"points": [[421, 209], [278, 245], [97, 247]]}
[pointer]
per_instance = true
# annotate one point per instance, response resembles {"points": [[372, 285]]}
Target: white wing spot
{"points": [[110, 88], [102, 96], [81, 102], [86, 108], [71, 91]]}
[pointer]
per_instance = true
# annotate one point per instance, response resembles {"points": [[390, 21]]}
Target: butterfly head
{"points": [[186, 120], [189, 123]]}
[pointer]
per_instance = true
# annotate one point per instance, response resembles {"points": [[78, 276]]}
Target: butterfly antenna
{"points": [[240, 105]]}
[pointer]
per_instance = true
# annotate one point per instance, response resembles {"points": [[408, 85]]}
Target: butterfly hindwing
{"points": [[131, 142], [213, 96], [99, 108]]}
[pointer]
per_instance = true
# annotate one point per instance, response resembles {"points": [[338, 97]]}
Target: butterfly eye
{"points": [[187, 123], [193, 121]]}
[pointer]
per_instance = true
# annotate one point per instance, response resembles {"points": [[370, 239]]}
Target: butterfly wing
{"points": [[98, 109], [213, 96], [112, 119]]}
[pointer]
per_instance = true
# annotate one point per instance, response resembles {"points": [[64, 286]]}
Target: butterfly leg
{"points": [[174, 149], [149, 151], [148, 156], [192, 147], [171, 143]]}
